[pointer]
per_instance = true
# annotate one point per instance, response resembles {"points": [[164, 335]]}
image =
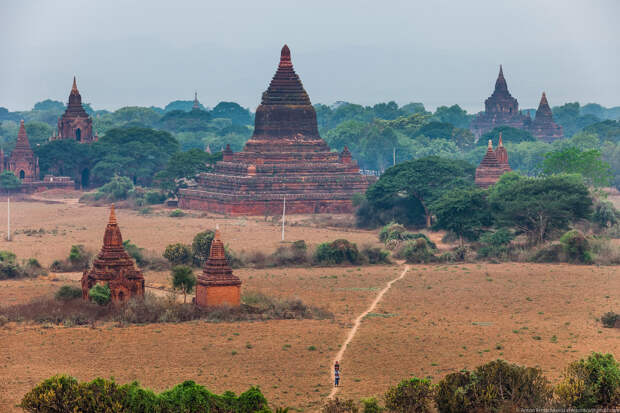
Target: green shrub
{"points": [[548, 253], [176, 213], [590, 383], [494, 386], [65, 394], [183, 279], [409, 396], [337, 405], [371, 405], [178, 254], [33, 263], [397, 232], [10, 270], [100, 294], [116, 189], [68, 292], [605, 214], [495, 244], [134, 252], [154, 197], [79, 258], [201, 246], [7, 257], [375, 255], [337, 252], [609, 319], [416, 251], [576, 247]]}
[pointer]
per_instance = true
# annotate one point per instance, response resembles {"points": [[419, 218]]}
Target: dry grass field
{"points": [[437, 319]]}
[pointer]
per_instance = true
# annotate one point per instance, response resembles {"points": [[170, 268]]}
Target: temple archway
{"points": [[78, 134], [22, 174]]}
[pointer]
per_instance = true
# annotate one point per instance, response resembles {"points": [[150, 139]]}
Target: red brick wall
{"points": [[214, 296]]}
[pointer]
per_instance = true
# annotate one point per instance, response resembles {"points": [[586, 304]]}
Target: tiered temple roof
{"points": [[22, 161], [493, 165], [114, 266], [217, 285], [75, 122], [543, 127], [285, 158]]}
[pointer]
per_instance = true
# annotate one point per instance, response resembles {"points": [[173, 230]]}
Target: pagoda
{"points": [[543, 127], [75, 123], [217, 286], [500, 109], [285, 159], [493, 165], [22, 161], [113, 266]]}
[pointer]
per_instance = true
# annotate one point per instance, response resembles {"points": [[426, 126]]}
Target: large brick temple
{"points": [[114, 266], [501, 109], [75, 123], [285, 158]]}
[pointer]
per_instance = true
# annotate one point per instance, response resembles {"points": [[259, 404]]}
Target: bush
{"points": [[590, 383], [416, 251], [397, 232], [605, 214], [68, 292], [176, 213], [183, 279], [337, 405], [65, 394], [134, 252], [10, 271], [178, 254], [78, 260], [100, 294], [337, 252], [409, 396], [116, 189], [154, 197], [548, 253], [610, 319], [495, 244], [576, 247], [371, 405], [375, 255], [201, 246], [7, 257], [495, 386]]}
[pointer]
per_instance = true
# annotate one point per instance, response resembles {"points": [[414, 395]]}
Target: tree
{"points": [[178, 254], [377, 147], [464, 212], [453, 115], [410, 396], [9, 181], [509, 135], [424, 180], [38, 132], [348, 134], [587, 163], [118, 188], [185, 165], [65, 157], [182, 121], [570, 118], [49, 104], [100, 294], [537, 206], [233, 111], [183, 279], [201, 245]]}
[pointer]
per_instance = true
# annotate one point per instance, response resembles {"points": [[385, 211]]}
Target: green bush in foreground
{"points": [[410, 396], [68, 292], [337, 252], [100, 294], [576, 247], [65, 394]]}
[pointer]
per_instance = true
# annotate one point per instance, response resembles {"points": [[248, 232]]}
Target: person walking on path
{"points": [[336, 374]]}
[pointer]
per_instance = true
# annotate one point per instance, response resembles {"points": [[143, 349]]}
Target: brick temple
{"points": [[493, 165], [113, 266], [217, 285], [25, 166], [75, 123], [501, 109], [285, 158]]}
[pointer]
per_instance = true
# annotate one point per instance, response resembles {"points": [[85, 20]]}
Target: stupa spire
{"points": [[500, 143], [285, 87], [112, 220], [112, 239], [285, 57], [74, 89], [500, 83], [196, 104], [22, 137]]}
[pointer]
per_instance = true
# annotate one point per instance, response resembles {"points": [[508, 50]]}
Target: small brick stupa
{"points": [[493, 165], [113, 266], [543, 127], [500, 109], [22, 161], [217, 286], [285, 158], [75, 123]]}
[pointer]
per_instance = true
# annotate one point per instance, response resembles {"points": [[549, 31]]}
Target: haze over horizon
{"points": [[437, 53]]}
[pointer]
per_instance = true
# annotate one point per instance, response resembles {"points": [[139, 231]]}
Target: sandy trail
{"points": [[358, 322]]}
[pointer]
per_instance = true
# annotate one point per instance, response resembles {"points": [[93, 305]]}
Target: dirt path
{"points": [[356, 325]]}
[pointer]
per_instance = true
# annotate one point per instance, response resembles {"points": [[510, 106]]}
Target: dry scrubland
{"points": [[436, 320]]}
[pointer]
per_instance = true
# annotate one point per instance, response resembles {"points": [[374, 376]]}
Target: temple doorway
{"points": [[22, 174], [78, 134], [85, 178]]}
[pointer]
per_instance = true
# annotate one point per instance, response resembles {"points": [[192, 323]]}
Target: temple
{"points": [[493, 165], [217, 286], [25, 166], [543, 127], [75, 123], [285, 158], [500, 109], [196, 104], [113, 266]]}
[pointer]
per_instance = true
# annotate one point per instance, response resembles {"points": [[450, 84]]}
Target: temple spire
{"points": [[500, 143], [285, 57], [490, 144], [112, 220], [543, 100], [22, 137], [196, 104], [74, 89], [500, 83]]}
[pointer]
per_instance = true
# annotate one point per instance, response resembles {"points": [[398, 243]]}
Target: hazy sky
{"points": [[147, 53]]}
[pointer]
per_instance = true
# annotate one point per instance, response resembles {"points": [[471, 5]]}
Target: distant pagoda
{"points": [[22, 162], [113, 266], [196, 104], [500, 109], [543, 127], [285, 158], [217, 286], [493, 165], [75, 123]]}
